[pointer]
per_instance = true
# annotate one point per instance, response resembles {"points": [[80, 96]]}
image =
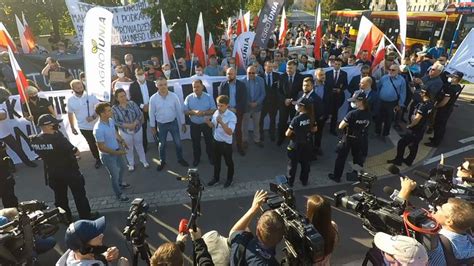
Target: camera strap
{"points": [[449, 253], [242, 248]]}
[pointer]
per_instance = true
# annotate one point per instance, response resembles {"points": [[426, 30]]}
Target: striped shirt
{"points": [[463, 248], [127, 115]]}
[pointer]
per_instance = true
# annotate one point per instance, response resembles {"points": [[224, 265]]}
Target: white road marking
{"points": [[466, 140], [449, 154]]}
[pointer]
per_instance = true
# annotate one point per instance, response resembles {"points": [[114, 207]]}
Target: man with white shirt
{"points": [[224, 122], [165, 116], [81, 107], [140, 92]]}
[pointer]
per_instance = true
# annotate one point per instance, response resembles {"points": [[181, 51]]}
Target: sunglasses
{"points": [[391, 69], [251, 73]]}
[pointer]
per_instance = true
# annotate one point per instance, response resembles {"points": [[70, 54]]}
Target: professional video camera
{"points": [[135, 231], [438, 187], [17, 238], [303, 242]]}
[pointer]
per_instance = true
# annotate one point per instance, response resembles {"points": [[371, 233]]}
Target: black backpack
{"points": [[449, 254]]}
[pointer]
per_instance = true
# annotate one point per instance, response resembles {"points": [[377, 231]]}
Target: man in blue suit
{"points": [[255, 96], [337, 80]]}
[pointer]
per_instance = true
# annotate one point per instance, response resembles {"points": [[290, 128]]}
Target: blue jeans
{"points": [[173, 128], [115, 165]]}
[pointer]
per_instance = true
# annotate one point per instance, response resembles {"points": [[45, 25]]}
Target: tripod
{"points": [[141, 248], [194, 190]]}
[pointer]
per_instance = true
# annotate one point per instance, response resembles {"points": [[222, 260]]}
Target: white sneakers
{"points": [[146, 165], [131, 168]]}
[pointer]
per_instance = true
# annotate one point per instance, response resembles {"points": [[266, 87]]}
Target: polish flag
{"points": [[6, 40], [255, 19], [229, 31], [379, 57], [212, 49], [318, 36], [20, 78], [167, 45], [199, 48], [283, 28], [188, 44], [368, 37], [30, 38], [240, 23], [246, 20]]}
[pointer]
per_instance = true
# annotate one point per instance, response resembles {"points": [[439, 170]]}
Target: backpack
{"points": [[449, 254]]}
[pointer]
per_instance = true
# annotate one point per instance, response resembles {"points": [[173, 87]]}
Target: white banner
{"points": [[130, 25], [463, 59], [97, 52], [243, 47], [20, 128]]}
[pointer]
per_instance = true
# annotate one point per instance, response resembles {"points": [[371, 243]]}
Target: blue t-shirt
{"points": [[463, 248], [105, 132], [255, 254]]}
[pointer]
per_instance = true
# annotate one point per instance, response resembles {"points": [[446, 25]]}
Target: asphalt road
{"points": [[299, 16]]}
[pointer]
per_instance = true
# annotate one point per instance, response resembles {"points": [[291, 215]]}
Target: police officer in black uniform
{"points": [[416, 130], [7, 182], [444, 107], [59, 157], [300, 148], [354, 138]]}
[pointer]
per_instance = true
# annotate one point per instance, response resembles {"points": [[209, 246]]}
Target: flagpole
{"points": [[29, 110], [444, 27], [192, 61], [176, 64], [455, 36], [394, 46]]}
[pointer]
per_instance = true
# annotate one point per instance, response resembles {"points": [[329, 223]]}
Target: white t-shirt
{"points": [[4, 124], [229, 118], [78, 106]]}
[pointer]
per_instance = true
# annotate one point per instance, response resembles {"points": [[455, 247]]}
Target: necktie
{"points": [[336, 76], [291, 81], [269, 82]]}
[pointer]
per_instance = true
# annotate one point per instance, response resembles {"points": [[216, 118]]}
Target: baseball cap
{"points": [[48, 119], [358, 96], [304, 102], [218, 247], [82, 231], [458, 74], [403, 248]]}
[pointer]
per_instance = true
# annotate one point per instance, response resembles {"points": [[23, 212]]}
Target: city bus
{"points": [[423, 28]]}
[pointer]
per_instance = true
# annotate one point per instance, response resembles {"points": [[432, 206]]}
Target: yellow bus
{"points": [[423, 28]]}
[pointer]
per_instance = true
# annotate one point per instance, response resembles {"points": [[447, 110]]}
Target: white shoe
{"points": [[146, 165], [131, 168]]}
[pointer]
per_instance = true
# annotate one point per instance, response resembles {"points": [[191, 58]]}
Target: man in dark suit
{"points": [[237, 93], [181, 71], [323, 92], [140, 92], [290, 84], [337, 80], [364, 72], [270, 103]]}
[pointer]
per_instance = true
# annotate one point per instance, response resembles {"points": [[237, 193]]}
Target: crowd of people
{"points": [[411, 95]]}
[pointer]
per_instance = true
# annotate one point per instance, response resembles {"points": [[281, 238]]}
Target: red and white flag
{"points": [[199, 48], [255, 19], [20, 79], [187, 47], [167, 45], [368, 37], [230, 32], [318, 36], [30, 38], [379, 57], [212, 49], [246, 20], [283, 27], [240, 23], [6, 40]]}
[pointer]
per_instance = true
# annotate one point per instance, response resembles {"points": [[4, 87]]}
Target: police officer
{"points": [[7, 182], [444, 107], [416, 130], [355, 126], [59, 156], [300, 149]]}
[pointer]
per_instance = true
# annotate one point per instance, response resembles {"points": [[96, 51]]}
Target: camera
{"points": [[17, 238], [303, 242], [135, 230]]}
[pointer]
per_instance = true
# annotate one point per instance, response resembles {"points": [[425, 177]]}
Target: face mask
{"points": [[353, 105], [403, 67], [141, 78], [84, 82], [450, 80], [167, 72], [120, 75], [297, 108], [198, 73]]}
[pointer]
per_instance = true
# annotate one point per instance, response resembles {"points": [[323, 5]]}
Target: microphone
{"points": [[183, 226]]}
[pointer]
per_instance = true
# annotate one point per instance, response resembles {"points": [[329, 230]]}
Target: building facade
{"points": [[412, 5]]}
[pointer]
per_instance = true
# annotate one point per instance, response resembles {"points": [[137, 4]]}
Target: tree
{"points": [[179, 12], [329, 5]]}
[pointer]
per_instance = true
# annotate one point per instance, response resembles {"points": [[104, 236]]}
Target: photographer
{"points": [[318, 211], [84, 240], [464, 173], [171, 254], [247, 249], [456, 243], [400, 250], [7, 181]]}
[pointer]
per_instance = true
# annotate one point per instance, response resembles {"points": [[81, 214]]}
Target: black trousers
{"points": [[439, 127], [385, 116], [410, 140], [319, 134], [196, 130], [285, 112], [222, 149], [337, 101], [356, 147], [144, 128], [89, 136], [7, 192], [300, 154], [16, 147], [271, 109], [74, 181]]}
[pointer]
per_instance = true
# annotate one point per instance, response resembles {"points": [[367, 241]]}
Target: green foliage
{"points": [[178, 12], [329, 5]]}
